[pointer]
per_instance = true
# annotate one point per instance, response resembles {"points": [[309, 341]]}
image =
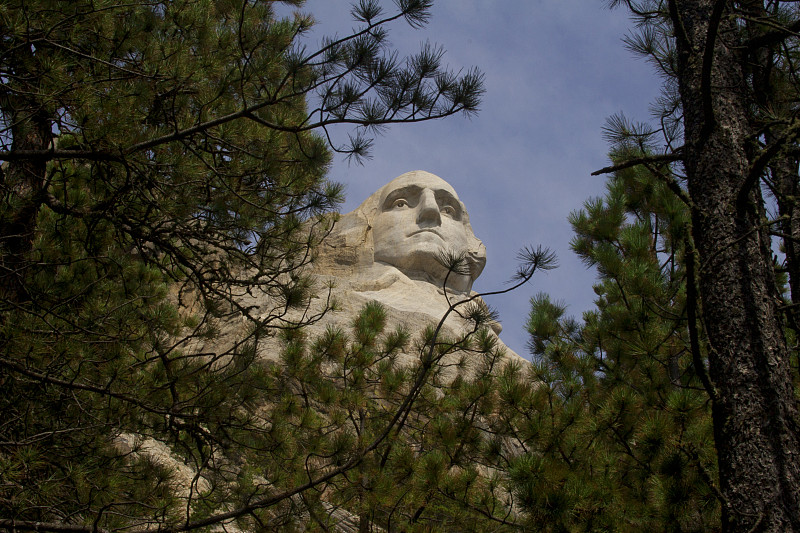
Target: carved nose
{"points": [[428, 209]]}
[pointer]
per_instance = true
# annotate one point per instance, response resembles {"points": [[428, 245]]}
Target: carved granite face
{"points": [[418, 215]]}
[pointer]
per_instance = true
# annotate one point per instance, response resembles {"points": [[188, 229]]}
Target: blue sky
{"points": [[554, 71]]}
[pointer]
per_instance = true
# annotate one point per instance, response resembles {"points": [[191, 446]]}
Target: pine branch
{"points": [[676, 155], [765, 156], [55, 527], [779, 34], [76, 385], [708, 63], [692, 300]]}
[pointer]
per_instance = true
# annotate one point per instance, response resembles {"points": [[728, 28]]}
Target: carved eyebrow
{"points": [[409, 192], [412, 192], [445, 197]]}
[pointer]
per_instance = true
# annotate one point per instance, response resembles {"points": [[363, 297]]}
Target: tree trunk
{"points": [[784, 174], [21, 182], [771, 90], [755, 412]]}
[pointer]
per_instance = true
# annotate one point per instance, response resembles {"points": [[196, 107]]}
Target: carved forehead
{"points": [[417, 178]]}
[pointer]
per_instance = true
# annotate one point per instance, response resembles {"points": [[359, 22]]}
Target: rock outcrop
{"points": [[386, 251], [389, 250]]}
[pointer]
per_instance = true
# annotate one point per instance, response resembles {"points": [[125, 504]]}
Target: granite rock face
{"points": [[386, 251]]}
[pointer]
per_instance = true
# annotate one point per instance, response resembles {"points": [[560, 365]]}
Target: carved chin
{"points": [[422, 264]]}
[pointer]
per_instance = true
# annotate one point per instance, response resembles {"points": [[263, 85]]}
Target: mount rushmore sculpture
{"points": [[391, 249]]}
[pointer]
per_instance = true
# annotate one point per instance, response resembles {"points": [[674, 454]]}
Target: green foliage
{"points": [[160, 167], [615, 424], [409, 438], [724, 142]]}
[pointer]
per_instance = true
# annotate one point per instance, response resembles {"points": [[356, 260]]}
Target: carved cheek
{"points": [[456, 235]]}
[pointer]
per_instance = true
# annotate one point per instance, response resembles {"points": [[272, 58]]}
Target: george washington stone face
{"points": [[416, 217], [404, 226]]}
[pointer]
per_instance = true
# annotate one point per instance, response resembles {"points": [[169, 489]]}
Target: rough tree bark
{"points": [[755, 412]]}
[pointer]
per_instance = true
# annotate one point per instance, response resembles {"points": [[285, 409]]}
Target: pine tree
{"points": [[357, 431], [613, 419], [160, 163], [419, 424], [727, 123]]}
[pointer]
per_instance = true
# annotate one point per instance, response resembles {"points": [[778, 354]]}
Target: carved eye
{"points": [[399, 203], [449, 210]]}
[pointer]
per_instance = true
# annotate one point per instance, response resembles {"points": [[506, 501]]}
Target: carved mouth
{"points": [[426, 230]]}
